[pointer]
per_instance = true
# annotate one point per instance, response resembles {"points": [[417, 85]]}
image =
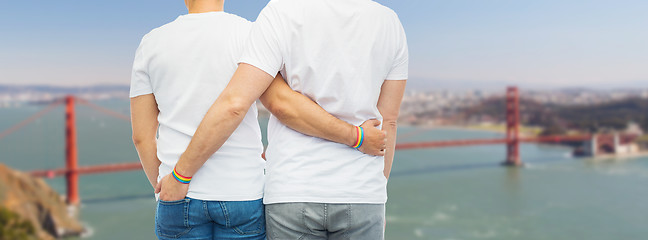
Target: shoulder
{"points": [[274, 3], [238, 20], [238, 25], [388, 17], [281, 5], [158, 32], [383, 10]]}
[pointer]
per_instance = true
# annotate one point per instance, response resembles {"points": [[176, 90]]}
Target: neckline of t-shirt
{"points": [[196, 15]]}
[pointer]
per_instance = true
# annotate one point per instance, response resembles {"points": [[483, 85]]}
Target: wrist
{"points": [[359, 138], [352, 136], [179, 177]]}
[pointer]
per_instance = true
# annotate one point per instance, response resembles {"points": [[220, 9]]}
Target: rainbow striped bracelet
{"points": [[360, 138], [180, 178]]}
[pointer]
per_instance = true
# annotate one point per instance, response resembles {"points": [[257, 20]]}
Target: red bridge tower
{"points": [[512, 127], [72, 175]]}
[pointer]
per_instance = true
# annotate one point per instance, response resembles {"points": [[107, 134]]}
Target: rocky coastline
{"points": [[31, 209]]}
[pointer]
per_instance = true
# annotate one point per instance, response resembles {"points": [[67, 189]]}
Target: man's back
{"points": [[338, 53], [186, 64]]}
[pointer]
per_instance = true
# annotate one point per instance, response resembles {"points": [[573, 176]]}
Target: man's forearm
{"points": [[391, 95], [390, 126], [147, 152], [219, 123], [310, 119], [301, 114], [223, 117], [144, 113]]}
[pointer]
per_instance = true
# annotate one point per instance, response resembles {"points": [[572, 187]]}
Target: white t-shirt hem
{"points": [[288, 199], [264, 67], [210, 197], [397, 77], [206, 197], [139, 93]]}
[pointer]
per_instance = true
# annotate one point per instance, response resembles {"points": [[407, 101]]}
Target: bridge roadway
{"points": [[402, 146]]}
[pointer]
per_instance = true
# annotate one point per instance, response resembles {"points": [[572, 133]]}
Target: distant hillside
{"points": [[557, 119], [610, 115]]}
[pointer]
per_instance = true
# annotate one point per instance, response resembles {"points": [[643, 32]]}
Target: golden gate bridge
{"points": [[72, 170]]}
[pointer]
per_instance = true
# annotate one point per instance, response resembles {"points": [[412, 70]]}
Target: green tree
{"points": [[13, 227]]}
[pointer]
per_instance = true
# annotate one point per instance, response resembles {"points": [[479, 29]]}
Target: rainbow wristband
{"points": [[360, 138], [180, 178]]}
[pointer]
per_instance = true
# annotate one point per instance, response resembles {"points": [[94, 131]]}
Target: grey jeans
{"points": [[291, 221]]}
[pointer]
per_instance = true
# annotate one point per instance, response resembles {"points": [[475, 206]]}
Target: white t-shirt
{"points": [[186, 64], [338, 53]]}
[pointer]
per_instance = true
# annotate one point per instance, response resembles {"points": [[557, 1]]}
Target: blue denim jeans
{"points": [[197, 219]]}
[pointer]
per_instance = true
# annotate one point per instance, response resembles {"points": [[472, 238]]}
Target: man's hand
{"points": [[375, 140], [170, 189]]}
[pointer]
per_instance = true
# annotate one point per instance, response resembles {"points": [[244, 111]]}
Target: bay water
{"points": [[445, 193]]}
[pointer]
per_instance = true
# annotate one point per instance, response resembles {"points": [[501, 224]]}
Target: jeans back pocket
{"points": [[172, 218], [245, 217]]}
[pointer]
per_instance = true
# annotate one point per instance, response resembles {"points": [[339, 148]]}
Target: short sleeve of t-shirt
{"points": [[263, 49], [399, 70], [140, 81]]}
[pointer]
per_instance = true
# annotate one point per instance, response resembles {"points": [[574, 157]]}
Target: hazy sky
{"points": [[453, 43]]}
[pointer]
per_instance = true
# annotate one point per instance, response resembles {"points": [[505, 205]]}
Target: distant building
{"points": [[615, 144], [633, 129]]}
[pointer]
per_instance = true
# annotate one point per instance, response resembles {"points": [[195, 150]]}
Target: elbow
{"points": [[236, 107], [139, 140], [281, 111], [390, 122], [281, 108], [390, 117], [136, 141]]}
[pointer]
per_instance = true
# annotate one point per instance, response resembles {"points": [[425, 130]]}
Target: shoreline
{"points": [[491, 129], [606, 157]]}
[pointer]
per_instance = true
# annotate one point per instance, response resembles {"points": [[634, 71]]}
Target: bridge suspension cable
{"points": [[30, 119], [104, 110]]}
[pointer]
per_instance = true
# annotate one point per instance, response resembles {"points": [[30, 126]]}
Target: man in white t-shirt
{"points": [[178, 72], [351, 58]]}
